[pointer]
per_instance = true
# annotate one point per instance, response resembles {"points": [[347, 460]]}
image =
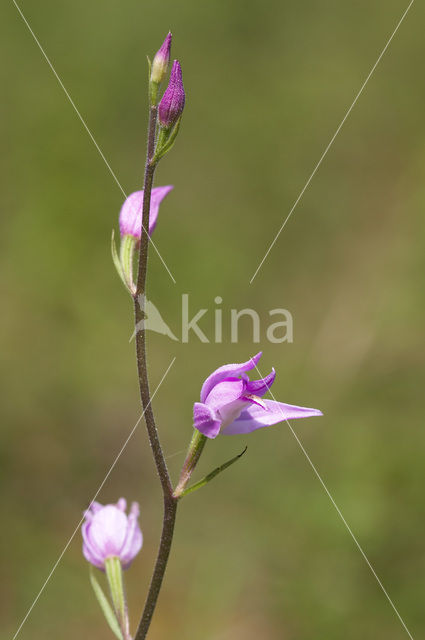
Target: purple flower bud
{"points": [[132, 209], [161, 61], [107, 531], [172, 102]]}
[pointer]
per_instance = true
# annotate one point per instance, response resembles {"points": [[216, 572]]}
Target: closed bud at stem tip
{"points": [[161, 61]]}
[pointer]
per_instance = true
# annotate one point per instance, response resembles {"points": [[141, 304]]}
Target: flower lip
{"points": [[250, 397], [107, 531]]}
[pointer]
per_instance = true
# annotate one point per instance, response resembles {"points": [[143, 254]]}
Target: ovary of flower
{"points": [[231, 403], [108, 531]]}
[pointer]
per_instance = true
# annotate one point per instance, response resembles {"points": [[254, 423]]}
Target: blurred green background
{"points": [[261, 552]]}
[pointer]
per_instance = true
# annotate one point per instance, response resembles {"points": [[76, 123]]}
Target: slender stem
{"points": [[147, 186], [170, 509], [139, 308], [170, 503]]}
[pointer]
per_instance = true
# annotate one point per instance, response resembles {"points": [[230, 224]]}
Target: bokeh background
{"points": [[261, 552]]}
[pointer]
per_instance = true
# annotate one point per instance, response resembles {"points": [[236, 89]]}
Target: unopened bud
{"points": [[161, 61], [172, 102]]}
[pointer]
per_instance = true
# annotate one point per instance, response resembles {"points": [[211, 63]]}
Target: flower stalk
{"points": [[114, 576], [194, 451]]}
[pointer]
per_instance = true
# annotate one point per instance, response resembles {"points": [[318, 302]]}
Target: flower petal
{"points": [[227, 371], [260, 387], [225, 392], [131, 212], [92, 509], [91, 553], [107, 531], [205, 420], [255, 417], [95, 560], [134, 538], [122, 504], [157, 196]]}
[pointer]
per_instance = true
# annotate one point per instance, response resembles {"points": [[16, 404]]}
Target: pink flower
{"points": [[231, 403], [108, 531], [131, 211]]}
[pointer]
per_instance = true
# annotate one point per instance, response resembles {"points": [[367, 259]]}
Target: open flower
{"points": [[132, 209], [108, 532], [231, 403]]}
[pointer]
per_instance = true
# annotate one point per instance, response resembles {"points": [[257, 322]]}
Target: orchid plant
{"points": [[230, 402]]}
